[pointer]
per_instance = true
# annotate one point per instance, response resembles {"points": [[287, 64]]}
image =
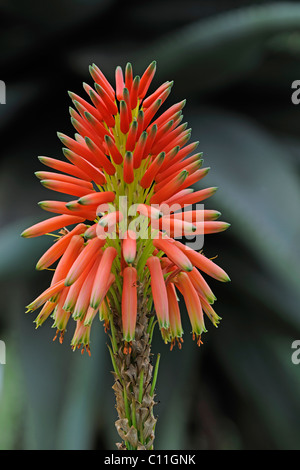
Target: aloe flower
{"points": [[117, 249]]}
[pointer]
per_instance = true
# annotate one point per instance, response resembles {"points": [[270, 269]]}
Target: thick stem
{"points": [[133, 385]]}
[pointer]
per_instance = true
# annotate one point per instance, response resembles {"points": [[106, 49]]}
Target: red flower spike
{"points": [[125, 147], [129, 303]]}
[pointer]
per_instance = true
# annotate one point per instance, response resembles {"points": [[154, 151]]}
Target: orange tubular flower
{"points": [[123, 148]]}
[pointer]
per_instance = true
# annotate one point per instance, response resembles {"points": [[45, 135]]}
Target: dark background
{"points": [[234, 62]]}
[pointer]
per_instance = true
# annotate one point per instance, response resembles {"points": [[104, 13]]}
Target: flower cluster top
{"points": [[128, 172]]}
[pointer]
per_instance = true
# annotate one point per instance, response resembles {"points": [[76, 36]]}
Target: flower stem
{"points": [[134, 387]]}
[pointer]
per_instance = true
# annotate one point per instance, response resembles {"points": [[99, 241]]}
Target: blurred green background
{"points": [[234, 62]]}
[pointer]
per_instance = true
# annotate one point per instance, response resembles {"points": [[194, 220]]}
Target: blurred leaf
{"points": [[258, 191]]}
